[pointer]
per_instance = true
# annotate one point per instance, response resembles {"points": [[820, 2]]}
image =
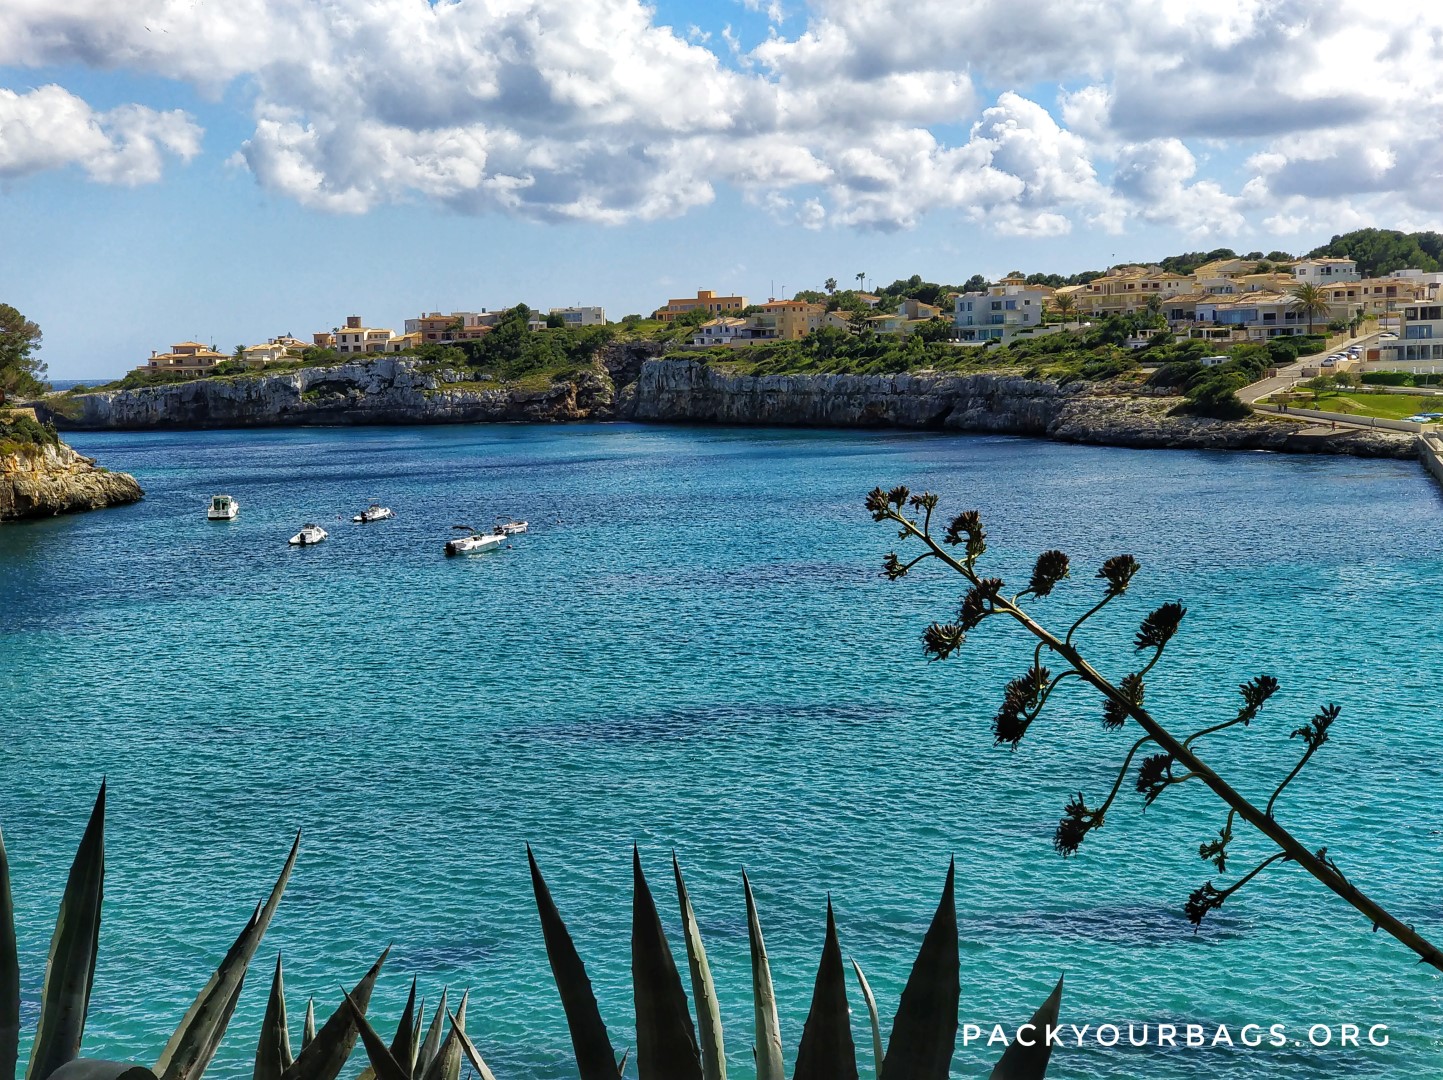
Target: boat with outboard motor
{"points": [[474, 542], [510, 526], [374, 512], [222, 508], [310, 533]]}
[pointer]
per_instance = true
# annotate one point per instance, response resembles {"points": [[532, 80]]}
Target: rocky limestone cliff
{"points": [[45, 479], [632, 383], [378, 391], [685, 390]]}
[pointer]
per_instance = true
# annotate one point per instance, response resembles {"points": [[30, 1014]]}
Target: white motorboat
{"points": [[374, 512], [510, 527], [222, 508], [310, 534], [474, 542]]}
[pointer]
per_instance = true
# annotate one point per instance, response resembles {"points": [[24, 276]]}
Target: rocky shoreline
{"points": [[46, 479], [632, 383]]}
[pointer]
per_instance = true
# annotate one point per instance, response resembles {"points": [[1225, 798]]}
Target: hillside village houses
{"points": [[185, 357], [1223, 301]]}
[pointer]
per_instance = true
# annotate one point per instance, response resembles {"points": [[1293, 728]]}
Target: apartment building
{"points": [[189, 357], [572, 317], [704, 300], [1000, 313], [1420, 342]]}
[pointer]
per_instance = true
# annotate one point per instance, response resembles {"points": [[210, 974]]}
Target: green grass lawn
{"points": [[1387, 406]]}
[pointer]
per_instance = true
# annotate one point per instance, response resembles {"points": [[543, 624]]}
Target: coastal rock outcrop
{"points": [[45, 479], [632, 382]]}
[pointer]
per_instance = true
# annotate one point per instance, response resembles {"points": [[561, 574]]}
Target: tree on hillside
{"points": [[830, 285], [21, 371], [1310, 300], [861, 280], [1379, 252], [976, 283], [1064, 305]]}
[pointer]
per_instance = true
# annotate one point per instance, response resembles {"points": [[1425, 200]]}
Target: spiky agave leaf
{"points": [[1021, 1062], [308, 1024], [199, 1032], [827, 1051], [383, 1065], [273, 1054], [665, 1039], [431, 1046], [458, 1029], [96, 1069], [70, 970], [924, 1032], [451, 1045], [440, 1064], [708, 1012], [325, 1055], [871, 1001], [404, 1046], [595, 1059], [768, 1047], [9, 975]]}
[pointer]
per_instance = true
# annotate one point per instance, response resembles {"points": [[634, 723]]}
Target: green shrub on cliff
{"points": [[18, 430], [513, 351]]}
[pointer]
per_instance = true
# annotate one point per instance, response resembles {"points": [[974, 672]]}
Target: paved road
{"points": [[1288, 376]]}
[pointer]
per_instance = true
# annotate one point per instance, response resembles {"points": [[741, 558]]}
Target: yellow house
{"points": [[705, 300], [189, 357], [355, 338], [794, 318], [1126, 290]]}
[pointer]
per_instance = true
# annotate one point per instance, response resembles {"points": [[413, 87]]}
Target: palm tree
{"points": [[1064, 305], [1311, 300], [830, 285], [861, 279], [239, 353]]}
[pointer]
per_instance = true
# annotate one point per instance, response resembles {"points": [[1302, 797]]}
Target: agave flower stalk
{"points": [[961, 546]]}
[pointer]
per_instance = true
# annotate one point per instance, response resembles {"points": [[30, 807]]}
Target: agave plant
{"points": [[668, 1046], [438, 1057], [70, 971]]}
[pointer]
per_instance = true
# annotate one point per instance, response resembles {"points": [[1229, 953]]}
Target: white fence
{"points": [[1351, 419]]}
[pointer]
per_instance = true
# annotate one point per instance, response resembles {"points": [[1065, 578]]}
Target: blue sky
{"points": [[272, 166]]}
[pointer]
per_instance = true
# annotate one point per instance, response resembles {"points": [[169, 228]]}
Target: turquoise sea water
{"points": [[692, 650]]}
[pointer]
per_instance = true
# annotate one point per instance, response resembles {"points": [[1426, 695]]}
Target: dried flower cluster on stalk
{"points": [[1170, 760]]}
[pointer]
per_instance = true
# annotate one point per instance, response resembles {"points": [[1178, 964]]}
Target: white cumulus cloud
{"points": [[51, 128], [1212, 118]]}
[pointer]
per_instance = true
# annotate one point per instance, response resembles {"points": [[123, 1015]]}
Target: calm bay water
{"points": [[692, 650]]}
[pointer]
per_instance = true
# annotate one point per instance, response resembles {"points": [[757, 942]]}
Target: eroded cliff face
{"points": [[684, 390], [45, 480], [631, 383], [376, 391]]}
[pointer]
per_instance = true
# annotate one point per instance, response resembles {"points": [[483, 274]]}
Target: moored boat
{"points": [[310, 533], [374, 512], [510, 527], [474, 542], [222, 508]]}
